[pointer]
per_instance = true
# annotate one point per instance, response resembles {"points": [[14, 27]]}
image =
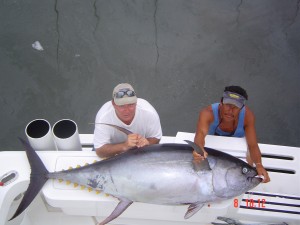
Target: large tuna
{"points": [[162, 174]]}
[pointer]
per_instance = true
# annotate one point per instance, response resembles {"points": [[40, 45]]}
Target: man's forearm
{"points": [[255, 154], [109, 150], [200, 139]]}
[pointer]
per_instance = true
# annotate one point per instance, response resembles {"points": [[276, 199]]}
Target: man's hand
{"points": [[136, 140], [142, 142], [261, 171], [132, 140], [198, 157]]}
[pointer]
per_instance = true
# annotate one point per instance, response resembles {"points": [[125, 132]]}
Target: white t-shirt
{"points": [[146, 122]]}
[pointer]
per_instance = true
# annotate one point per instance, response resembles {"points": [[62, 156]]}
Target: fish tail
{"points": [[38, 178]]}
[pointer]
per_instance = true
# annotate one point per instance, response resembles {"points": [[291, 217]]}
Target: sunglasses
{"points": [[121, 94]]}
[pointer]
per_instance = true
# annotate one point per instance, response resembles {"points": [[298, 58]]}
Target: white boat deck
{"points": [[58, 203]]}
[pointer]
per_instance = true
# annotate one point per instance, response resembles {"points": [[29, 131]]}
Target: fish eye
{"points": [[245, 170]]}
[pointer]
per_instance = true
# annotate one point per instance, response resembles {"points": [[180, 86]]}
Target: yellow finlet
{"points": [[95, 161], [78, 166], [60, 180], [75, 185], [82, 187], [90, 189], [107, 195], [70, 168], [98, 192], [68, 182], [86, 164]]}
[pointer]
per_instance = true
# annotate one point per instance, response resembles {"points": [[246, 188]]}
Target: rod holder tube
{"points": [[39, 135], [66, 136]]}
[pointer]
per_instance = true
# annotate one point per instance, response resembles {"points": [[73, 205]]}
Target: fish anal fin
{"points": [[121, 207], [193, 208]]}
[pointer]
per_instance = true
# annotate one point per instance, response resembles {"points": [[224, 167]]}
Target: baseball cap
{"points": [[124, 94], [234, 99]]}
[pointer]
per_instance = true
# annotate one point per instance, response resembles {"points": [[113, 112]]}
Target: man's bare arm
{"points": [[254, 150], [204, 120], [133, 140]]}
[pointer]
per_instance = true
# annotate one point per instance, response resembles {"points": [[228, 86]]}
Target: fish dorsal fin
{"points": [[198, 165], [193, 208], [121, 207]]}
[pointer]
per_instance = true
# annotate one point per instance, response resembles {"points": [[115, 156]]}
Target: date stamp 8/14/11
{"points": [[250, 203]]}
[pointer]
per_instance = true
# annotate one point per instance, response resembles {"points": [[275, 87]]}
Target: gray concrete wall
{"points": [[178, 54]]}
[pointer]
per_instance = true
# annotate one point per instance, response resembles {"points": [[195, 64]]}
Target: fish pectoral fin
{"points": [[193, 208], [125, 131], [121, 207]]}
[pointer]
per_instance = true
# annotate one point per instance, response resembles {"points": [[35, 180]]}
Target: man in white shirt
{"points": [[127, 111]]}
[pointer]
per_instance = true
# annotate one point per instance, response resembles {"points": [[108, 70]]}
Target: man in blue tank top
{"points": [[232, 118]]}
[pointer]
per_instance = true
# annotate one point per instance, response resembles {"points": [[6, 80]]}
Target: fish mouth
{"points": [[255, 179], [261, 177]]}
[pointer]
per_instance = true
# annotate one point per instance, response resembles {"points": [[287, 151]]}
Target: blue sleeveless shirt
{"points": [[214, 129]]}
